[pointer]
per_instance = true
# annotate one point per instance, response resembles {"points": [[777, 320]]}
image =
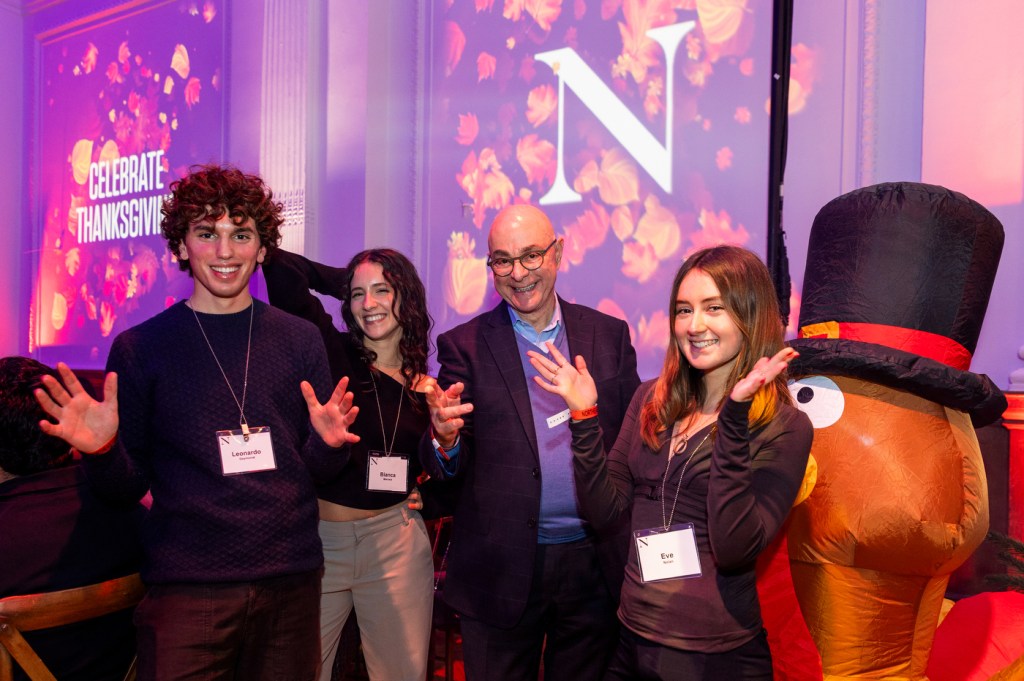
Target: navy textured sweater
{"points": [[204, 526]]}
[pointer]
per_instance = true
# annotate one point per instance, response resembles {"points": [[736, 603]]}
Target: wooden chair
{"points": [[42, 611]]}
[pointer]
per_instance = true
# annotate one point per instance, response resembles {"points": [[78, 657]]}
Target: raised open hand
{"points": [[764, 371], [331, 419], [446, 412], [573, 383], [81, 421]]}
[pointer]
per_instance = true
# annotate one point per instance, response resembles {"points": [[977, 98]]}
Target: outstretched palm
{"points": [[81, 421]]}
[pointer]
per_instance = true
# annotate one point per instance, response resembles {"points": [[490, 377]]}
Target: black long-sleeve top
{"points": [[736, 490], [290, 277]]}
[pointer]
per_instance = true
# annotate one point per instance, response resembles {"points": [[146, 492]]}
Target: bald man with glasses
{"points": [[525, 572]]}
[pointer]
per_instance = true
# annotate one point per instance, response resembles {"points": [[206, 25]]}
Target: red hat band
{"points": [[930, 345]]}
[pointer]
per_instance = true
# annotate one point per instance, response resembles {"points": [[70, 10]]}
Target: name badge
{"points": [[239, 454], [387, 473], [560, 417], [667, 554]]}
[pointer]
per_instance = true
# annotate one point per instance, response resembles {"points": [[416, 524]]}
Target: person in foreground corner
{"points": [[215, 410], [709, 459], [526, 571], [55, 534], [377, 556]]}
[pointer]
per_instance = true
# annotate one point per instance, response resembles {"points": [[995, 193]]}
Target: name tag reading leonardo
{"points": [[667, 554], [387, 473], [239, 455]]}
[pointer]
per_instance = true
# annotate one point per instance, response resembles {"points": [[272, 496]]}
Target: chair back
{"points": [[45, 610]]}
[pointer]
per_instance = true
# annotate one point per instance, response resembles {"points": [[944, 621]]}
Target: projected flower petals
{"points": [[483, 5], [485, 65], [723, 158], [92, 53], [113, 73], [454, 44], [639, 261], [716, 230], [622, 223], [617, 182], [537, 157], [109, 152], [179, 61], [168, 85], [593, 225], [481, 178], [742, 115], [107, 318], [72, 261], [544, 12], [59, 313], [123, 53], [469, 127], [192, 89], [587, 179], [659, 228], [541, 104], [613, 309], [802, 76], [639, 52], [720, 19], [81, 157], [652, 334], [209, 11], [465, 276]]}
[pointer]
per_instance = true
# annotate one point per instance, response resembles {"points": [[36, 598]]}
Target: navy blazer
{"points": [[494, 535]]}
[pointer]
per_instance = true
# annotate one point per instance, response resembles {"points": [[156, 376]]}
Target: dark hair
{"points": [[749, 297], [24, 448], [412, 314], [211, 191]]}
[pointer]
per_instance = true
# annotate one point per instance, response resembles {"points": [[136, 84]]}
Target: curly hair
{"points": [[410, 311], [24, 448], [211, 191], [749, 296]]}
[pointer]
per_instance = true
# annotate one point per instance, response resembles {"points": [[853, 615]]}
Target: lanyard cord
{"points": [[666, 521], [245, 380], [383, 433]]}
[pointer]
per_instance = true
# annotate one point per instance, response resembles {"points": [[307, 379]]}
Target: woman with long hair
{"points": [[377, 555], [709, 460]]}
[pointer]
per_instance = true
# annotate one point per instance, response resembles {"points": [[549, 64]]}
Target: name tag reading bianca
{"points": [[241, 455], [387, 473], [667, 554]]}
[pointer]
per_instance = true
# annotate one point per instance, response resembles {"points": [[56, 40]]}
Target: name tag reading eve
{"points": [[667, 554], [560, 417], [387, 473], [240, 455]]}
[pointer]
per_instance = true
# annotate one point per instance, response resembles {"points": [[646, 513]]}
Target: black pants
{"points": [[267, 630], [569, 607], [637, 659]]}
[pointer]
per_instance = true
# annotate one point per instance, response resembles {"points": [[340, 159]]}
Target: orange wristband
{"points": [[580, 414]]}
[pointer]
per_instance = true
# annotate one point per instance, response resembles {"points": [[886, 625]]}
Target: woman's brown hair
{"points": [[749, 298]]}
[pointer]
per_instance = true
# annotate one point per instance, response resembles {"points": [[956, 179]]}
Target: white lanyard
{"points": [[245, 380], [398, 416], [666, 521]]}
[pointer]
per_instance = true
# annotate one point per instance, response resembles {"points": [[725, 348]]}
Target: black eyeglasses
{"points": [[502, 266]]}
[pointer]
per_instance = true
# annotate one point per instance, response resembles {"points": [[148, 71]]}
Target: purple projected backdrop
{"points": [[128, 100], [630, 197]]}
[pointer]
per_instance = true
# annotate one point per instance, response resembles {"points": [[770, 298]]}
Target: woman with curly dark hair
{"points": [[376, 550]]}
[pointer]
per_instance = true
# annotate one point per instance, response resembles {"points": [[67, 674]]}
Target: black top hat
{"points": [[897, 281]]}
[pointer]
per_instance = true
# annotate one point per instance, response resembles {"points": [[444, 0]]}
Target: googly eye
{"points": [[820, 398]]}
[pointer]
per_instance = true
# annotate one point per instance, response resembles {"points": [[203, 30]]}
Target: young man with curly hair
{"points": [[212, 420]]}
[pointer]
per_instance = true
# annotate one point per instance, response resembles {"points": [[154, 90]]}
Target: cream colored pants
{"points": [[382, 567]]}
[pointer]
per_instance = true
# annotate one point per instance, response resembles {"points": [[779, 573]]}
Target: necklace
{"points": [[666, 520], [245, 378]]}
